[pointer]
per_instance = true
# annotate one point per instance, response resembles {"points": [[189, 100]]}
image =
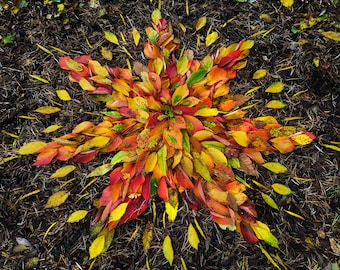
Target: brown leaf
{"points": [[240, 99], [247, 165], [138, 68]]}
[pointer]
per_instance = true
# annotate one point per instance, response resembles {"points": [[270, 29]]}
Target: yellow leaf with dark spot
{"points": [[281, 189], [57, 199], [31, 148], [77, 216], [63, 171]]}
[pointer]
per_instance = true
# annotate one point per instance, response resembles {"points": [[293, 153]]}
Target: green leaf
{"points": [[281, 189], [119, 157], [162, 152], [196, 76], [269, 201]]}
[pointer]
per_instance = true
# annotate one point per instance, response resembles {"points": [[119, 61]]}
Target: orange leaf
{"points": [[227, 105], [82, 127], [215, 75], [283, 144], [45, 157]]}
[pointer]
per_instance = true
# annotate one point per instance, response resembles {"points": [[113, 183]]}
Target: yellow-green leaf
{"points": [[206, 112], [193, 237], [31, 148], [275, 167], [258, 74], [106, 53], [156, 16], [161, 159], [269, 201], [168, 250], [201, 168], [287, 3], [136, 36], [248, 44], [118, 212], [44, 49], [77, 216], [101, 170], [331, 35], [182, 65], [28, 195], [38, 78], [330, 146], [109, 36], [57, 199], [47, 110], [52, 128], [281, 189], [275, 87], [158, 65], [211, 38], [201, 22], [4, 160], [171, 211], [270, 259], [275, 104], [63, 95], [96, 142], [262, 232], [63, 171], [294, 214], [97, 246], [179, 94]]}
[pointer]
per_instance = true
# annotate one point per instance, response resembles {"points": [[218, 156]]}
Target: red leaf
{"points": [[248, 234], [163, 189], [137, 182], [135, 208], [86, 157], [115, 175], [229, 58], [198, 191], [182, 180], [83, 59], [45, 157], [146, 189]]}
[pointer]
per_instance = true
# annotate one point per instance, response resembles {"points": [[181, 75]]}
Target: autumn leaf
{"points": [[171, 211], [281, 189], [106, 53], [201, 22], [147, 236], [258, 74], [40, 79], [77, 216], [331, 35], [275, 104], [31, 148], [303, 138], [57, 199], [287, 3], [63, 171], [109, 36], [63, 95], [97, 247], [211, 38], [240, 137], [136, 36], [294, 214], [330, 146], [168, 250], [270, 259], [275, 167], [47, 110], [193, 237], [275, 87], [269, 200], [118, 212], [263, 232], [101, 170]]}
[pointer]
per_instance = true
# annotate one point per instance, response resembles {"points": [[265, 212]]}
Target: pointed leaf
{"points": [[77, 216], [63, 171], [269, 201], [258, 74], [182, 65], [206, 112], [211, 38], [196, 76], [171, 211], [275, 167], [287, 3], [97, 246], [106, 53], [118, 212], [201, 22], [147, 237], [275, 104], [52, 128], [241, 137], [101, 170], [330, 146], [47, 110], [281, 189], [156, 16], [303, 138], [57, 199], [193, 237], [136, 36], [161, 159], [275, 87], [179, 94], [63, 95], [262, 232], [270, 259], [86, 85], [82, 127], [294, 214], [31, 148], [168, 250], [111, 37], [332, 35], [119, 157]]}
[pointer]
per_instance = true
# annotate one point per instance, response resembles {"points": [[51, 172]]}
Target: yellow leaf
{"points": [[109, 36], [303, 178], [150, 162], [281, 189], [199, 228], [57, 199], [49, 229], [287, 3], [240, 137], [97, 247], [302, 139], [77, 216], [330, 146], [294, 214], [206, 112], [275, 104], [201, 22], [183, 264], [168, 250], [183, 28], [59, 50], [260, 185], [193, 237], [258, 74], [202, 135], [331, 35], [262, 232], [31, 148], [158, 65], [218, 156], [275, 167], [63, 171], [293, 118], [147, 236], [51, 128], [106, 53], [171, 211], [28, 194], [127, 52], [211, 38], [270, 259], [275, 87], [39, 79], [118, 212], [47, 110], [136, 36], [4, 160], [44, 49], [96, 142], [253, 90], [316, 62], [156, 16], [248, 44], [101, 170], [269, 201], [26, 117], [63, 95]]}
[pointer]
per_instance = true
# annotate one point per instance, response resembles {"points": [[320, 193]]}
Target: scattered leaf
{"points": [[168, 250], [44, 49], [287, 3], [275, 104], [109, 36], [63, 95], [270, 259], [31, 148], [4, 160], [63, 171], [331, 35], [52, 128], [106, 53], [330, 146], [118, 212], [201, 22], [38, 78], [211, 38], [101, 170], [49, 229], [193, 237], [281, 189], [275, 167], [258, 74], [47, 110], [269, 201], [136, 36], [57, 199], [294, 214], [275, 87], [77, 216], [97, 247]]}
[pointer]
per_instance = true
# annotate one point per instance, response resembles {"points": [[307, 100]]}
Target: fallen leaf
{"points": [[294, 214], [47, 110], [269, 201], [136, 36], [101, 170], [106, 53], [287, 3], [109, 36], [118, 212], [168, 250], [281, 189], [38, 78], [31, 148], [211, 38], [63, 95], [275, 104], [77, 216], [331, 35], [275, 87], [330, 146], [201, 22], [147, 236], [63, 171], [270, 259], [258, 74], [97, 246], [275, 167], [51, 128], [57, 199], [193, 237]]}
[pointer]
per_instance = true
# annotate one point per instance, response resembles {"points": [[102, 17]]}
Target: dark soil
{"points": [[312, 243]]}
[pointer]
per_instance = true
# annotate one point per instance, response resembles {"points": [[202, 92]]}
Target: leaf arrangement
{"points": [[174, 130]]}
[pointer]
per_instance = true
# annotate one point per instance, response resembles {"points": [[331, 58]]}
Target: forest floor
{"points": [[293, 51]]}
